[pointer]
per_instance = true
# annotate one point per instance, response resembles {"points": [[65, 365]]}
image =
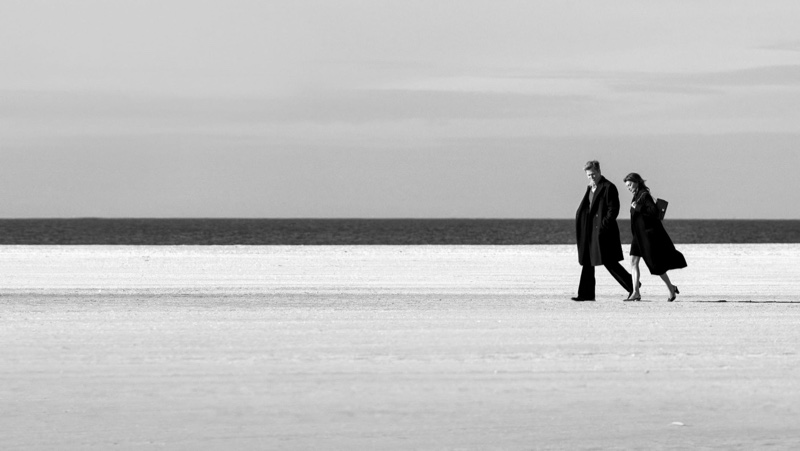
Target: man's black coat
{"points": [[596, 227]]}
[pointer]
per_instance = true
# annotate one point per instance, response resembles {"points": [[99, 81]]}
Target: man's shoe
{"points": [[580, 299]]}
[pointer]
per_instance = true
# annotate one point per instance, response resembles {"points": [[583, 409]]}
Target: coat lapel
{"points": [[597, 194], [586, 197]]}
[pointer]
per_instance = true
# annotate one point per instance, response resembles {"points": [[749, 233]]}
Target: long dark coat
{"points": [[596, 226], [650, 239]]}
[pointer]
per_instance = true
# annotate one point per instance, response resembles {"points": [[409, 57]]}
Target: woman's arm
{"points": [[646, 205]]}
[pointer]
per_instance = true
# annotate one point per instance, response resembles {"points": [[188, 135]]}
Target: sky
{"points": [[395, 108]]}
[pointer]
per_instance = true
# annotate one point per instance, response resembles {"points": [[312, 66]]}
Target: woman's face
{"points": [[632, 186]]}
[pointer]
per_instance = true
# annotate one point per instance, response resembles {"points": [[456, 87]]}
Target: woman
{"points": [[650, 240]]}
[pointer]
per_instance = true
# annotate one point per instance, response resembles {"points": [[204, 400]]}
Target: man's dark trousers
{"points": [[586, 287]]}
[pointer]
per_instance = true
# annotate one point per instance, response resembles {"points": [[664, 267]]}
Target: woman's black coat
{"points": [[596, 226], [654, 245]]}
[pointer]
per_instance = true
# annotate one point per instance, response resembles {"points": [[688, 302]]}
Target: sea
{"points": [[198, 231]]}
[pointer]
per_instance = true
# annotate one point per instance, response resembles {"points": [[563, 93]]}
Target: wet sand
{"points": [[393, 347]]}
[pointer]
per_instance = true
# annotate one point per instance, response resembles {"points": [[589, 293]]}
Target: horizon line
{"points": [[318, 218]]}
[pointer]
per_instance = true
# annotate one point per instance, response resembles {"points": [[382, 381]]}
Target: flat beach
{"points": [[393, 347]]}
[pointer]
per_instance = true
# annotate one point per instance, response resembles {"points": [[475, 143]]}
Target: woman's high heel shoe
{"points": [[638, 297], [674, 294]]}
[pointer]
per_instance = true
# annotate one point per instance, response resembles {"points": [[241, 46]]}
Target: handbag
{"points": [[661, 204]]}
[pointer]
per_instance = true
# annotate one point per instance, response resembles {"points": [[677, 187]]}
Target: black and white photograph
{"points": [[399, 225]]}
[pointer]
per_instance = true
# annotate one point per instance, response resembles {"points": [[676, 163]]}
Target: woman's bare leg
{"points": [[635, 274], [672, 288]]}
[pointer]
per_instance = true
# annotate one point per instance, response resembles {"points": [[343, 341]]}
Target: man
{"points": [[598, 234]]}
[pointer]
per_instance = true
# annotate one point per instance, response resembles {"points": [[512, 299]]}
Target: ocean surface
{"points": [[366, 231]]}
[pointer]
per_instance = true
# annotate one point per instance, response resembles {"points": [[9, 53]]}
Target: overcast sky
{"points": [[402, 108]]}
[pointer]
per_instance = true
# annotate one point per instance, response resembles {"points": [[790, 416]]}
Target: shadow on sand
{"points": [[725, 301]]}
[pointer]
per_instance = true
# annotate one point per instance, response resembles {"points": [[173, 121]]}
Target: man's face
{"points": [[593, 176]]}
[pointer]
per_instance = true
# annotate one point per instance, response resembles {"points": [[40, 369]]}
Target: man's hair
{"points": [[593, 164]]}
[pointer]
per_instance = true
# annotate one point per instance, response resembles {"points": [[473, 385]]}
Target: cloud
{"points": [[350, 106], [789, 46], [491, 105], [784, 76], [392, 105]]}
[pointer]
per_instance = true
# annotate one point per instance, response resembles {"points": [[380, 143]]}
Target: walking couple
{"points": [[599, 242]]}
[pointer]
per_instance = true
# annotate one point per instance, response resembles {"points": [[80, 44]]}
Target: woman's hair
{"points": [[636, 178], [594, 164]]}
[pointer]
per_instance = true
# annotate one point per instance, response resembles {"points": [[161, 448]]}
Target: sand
{"points": [[393, 347]]}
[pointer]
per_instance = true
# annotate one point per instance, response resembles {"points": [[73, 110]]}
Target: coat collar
{"points": [[601, 185]]}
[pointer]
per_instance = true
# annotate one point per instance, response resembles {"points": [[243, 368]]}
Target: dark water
{"points": [[366, 231]]}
